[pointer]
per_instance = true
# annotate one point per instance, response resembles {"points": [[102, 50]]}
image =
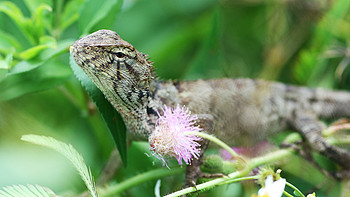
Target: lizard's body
{"points": [[244, 111], [237, 111]]}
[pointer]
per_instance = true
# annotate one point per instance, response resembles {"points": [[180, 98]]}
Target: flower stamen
{"points": [[174, 135]]}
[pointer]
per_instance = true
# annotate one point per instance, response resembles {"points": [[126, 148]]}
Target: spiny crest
{"points": [[147, 58]]}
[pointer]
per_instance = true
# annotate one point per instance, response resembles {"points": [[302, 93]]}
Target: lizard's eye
{"points": [[120, 54]]}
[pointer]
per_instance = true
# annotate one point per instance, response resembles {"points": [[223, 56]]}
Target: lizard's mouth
{"points": [[72, 50], [74, 53], [78, 57]]}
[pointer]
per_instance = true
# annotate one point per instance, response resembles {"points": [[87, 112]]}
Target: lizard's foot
{"points": [[193, 171], [192, 184]]}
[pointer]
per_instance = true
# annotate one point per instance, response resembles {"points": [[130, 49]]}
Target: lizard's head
{"points": [[121, 72]]}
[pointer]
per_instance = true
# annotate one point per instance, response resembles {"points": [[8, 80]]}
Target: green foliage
{"points": [[313, 63], [43, 76], [95, 15], [303, 42]]}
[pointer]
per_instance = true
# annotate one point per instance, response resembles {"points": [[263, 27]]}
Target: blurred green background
{"points": [[303, 42]]}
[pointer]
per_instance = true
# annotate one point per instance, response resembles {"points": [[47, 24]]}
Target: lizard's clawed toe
{"points": [[191, 183]]}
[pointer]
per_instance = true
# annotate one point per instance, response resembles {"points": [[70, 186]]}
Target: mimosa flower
{"points": [[174, 135]]}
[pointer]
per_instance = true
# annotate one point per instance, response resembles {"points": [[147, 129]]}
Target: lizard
{"points": [[238, 111]]}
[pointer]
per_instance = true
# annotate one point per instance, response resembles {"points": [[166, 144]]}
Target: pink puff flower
{"points": [[174, 135]]}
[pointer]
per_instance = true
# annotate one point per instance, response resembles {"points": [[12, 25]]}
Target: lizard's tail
{"points": [[326, 103], [333, 104]]}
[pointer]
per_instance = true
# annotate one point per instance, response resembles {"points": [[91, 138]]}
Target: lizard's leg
{"points": [[112, 166], [110, 169], [311, 129], [193, 171]]}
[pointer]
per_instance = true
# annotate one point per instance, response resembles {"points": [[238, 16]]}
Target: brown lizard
{"points": [[238, 111]]}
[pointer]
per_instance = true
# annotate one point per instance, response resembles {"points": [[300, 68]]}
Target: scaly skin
{"points": [[237, 111]]}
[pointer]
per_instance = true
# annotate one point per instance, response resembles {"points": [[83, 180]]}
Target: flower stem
{"points": [[253, 163], [140, 178], [240, 179], [295, 189], [207, 184], [217, 141], [287, 194]]}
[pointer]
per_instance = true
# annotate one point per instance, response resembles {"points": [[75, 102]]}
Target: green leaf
{"points": [[48, 75], [29, 191], [112, 118], [6, 64], [12, 11], [96, 12], [7, 41], [45, 43], [40, 20], [296, 193], [32, 52], [44, 54], [23, 66], [70, 153], [34, 4], [61, 47], [70, 13]]}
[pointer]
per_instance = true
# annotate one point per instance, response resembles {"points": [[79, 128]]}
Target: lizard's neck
{"points": [[134, 109], [136, 122]]}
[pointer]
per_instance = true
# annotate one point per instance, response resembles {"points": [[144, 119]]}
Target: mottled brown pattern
{"points": [[240, 111]]}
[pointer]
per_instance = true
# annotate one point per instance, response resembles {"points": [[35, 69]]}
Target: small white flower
{"points": [[311, 195], [272, 189]]}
